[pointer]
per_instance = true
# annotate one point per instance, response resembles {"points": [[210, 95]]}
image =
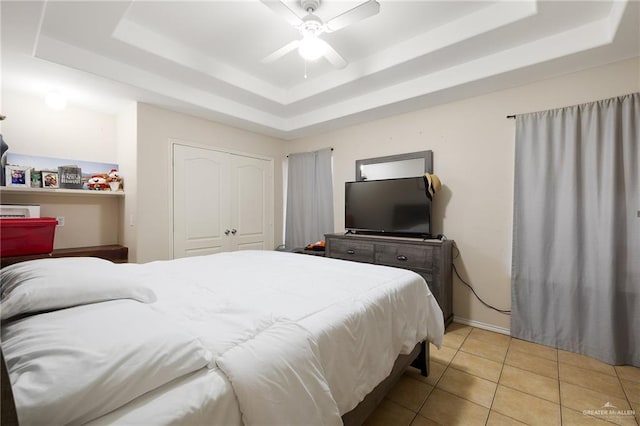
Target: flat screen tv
{"points": [[395, 207]]}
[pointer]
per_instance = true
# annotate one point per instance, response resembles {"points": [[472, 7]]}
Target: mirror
{"points": [[395, 166]]}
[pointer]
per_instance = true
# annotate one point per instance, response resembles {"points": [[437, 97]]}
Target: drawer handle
{"points": [[351, 251], [402, 258]]}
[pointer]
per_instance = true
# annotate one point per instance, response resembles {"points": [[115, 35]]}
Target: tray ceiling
{"points": [[204, 57]]}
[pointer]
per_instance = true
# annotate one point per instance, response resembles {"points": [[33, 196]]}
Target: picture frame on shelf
{"points": [[50, 179], [36, 179], [70, 177], [18, 176]]}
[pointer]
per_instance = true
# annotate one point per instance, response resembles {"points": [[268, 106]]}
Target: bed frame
{"points": [[8, 415], [418, 358]]}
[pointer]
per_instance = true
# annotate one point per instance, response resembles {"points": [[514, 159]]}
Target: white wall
{"points": [[473, 145], [127, 135], [32, 128], [155, 129]]}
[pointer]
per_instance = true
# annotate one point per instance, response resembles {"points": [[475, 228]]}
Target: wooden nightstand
{"points": [[302, 250], [430, 258]]}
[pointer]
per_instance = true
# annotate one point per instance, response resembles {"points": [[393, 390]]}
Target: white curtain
{"points": [[309, 198], [576, 238]]}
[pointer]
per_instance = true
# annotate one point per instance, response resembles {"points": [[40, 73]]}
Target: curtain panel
{"points": [[309, 212], [576, 235]]}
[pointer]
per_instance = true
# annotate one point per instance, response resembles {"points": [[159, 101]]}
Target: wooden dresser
{"points": [[429, 258], [114, 253]]}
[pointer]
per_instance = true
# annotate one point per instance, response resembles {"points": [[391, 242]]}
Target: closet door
{"points": [[221, 202], [201, 194], [251, 203]]}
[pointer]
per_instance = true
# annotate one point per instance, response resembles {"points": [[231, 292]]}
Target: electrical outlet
{"points": [[60, 220]]}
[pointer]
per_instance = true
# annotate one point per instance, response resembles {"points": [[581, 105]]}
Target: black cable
{"points": [[502, 311]]}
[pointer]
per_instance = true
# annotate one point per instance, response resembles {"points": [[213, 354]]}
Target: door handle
{"points": [[226, 232], [351, 251], [233, 231], [402, 258]]}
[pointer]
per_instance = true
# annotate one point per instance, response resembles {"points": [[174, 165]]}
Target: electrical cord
{"points": [[502, 311]]}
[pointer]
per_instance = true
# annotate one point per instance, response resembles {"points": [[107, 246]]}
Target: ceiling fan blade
{"points": [[281, 52], [282, 10], [358, 13], [332, 56]]}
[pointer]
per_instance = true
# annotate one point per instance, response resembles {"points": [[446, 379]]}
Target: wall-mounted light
{"points": [[55, 100]]}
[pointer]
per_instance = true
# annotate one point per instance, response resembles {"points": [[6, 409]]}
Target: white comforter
{"points": [[291, 334]]}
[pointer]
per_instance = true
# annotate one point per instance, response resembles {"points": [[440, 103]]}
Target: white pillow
{"points": [[49, 284], [73, 365]]}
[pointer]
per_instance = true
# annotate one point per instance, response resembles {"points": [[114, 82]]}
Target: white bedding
{"points": [[45, 285], [355, 318], [290, 389], [73, 365]]}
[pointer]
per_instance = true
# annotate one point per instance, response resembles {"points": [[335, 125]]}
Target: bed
{"points": [[248, 337]]}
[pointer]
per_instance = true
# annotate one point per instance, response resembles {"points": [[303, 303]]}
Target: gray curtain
{"points": [[309, 198], [576, 235]]}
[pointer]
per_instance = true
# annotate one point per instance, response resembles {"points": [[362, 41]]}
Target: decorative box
{"points": [[70, 177], [19, 237]]}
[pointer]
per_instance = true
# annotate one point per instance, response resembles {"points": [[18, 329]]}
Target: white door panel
{"points": [[200, 191], [252, 246], [251, 198], [252, 203], [204, 221], [215, 192]]}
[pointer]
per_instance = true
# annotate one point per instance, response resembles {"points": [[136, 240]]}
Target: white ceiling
{"points": [[204, 57]]}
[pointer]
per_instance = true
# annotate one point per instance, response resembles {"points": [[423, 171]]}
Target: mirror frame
{"points": [[427, 156]]}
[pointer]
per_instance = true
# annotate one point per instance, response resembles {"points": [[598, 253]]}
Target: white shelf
{"points": [[6, 190]]}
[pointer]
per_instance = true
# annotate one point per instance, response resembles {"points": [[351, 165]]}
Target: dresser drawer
{"points": [[360, 251], [405, 256]]}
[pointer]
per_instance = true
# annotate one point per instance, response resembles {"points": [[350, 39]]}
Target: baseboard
{"points": [[482, 325]]}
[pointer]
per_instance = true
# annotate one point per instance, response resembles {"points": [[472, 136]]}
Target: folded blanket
{"points": [[279, 380]]}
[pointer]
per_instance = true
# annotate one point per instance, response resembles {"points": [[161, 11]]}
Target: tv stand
{"points": [[431, 259]]}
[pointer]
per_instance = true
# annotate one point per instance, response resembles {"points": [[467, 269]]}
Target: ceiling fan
{"points": [[311, 46]]}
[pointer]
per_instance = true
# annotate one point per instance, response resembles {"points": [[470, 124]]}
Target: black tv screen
{"points": [[397, 207]]}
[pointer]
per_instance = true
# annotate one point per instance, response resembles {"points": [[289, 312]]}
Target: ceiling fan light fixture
{"points": [[311, 48], [311, 27]]}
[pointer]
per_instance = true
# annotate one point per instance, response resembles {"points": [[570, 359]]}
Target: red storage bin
{"points": [[26, 236]]}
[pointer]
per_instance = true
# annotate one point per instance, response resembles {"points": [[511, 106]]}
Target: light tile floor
{"points": [[485, 378]]}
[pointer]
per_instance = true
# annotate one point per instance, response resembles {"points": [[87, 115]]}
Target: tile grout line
{"points": [[626, 395], [559, 388], [590, 370], [583, 387], [498, 383], [442, 375], [417, 412], [519, 390], [501, 368]]}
